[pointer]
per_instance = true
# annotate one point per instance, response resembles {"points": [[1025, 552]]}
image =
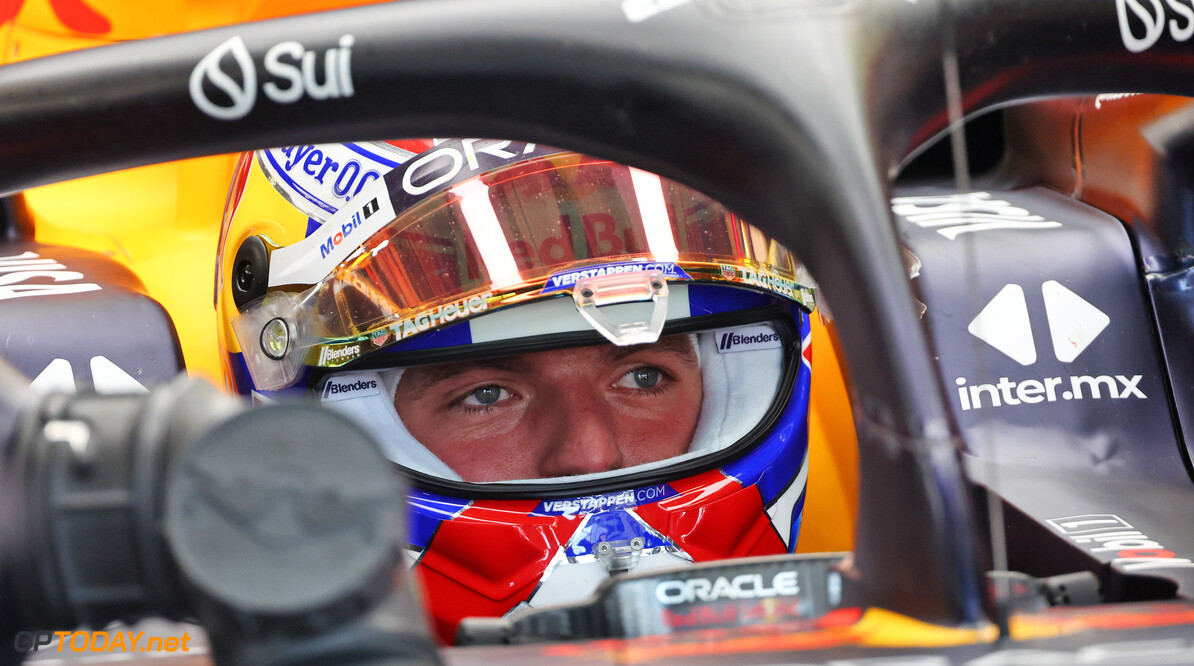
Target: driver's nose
{"points": [[583, 439]]}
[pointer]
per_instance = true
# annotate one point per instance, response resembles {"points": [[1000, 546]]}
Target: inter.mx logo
{"points": [[1073, 325], [294, 72]]}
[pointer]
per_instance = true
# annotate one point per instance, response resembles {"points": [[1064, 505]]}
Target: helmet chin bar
{"points": [[592, 293]]}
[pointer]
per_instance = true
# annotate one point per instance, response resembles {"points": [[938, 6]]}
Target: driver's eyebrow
{"points": [[427, 377], [679, 346]]}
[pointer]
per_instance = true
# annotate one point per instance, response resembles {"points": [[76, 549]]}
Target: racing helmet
{"points": [[583, 368]]}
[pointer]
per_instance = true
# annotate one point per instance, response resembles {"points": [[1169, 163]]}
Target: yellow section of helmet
{"points": [[261, 211]]}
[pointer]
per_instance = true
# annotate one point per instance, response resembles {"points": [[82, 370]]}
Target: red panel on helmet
{"points": [[448, 602], [736, 525], [700, 489], [492, 559], [476, 565], [415, 146]]}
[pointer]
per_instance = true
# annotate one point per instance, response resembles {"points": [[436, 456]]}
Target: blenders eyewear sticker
{"points": [[351, 386], [747, 338]]}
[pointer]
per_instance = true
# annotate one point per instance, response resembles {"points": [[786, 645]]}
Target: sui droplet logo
{"points": [[293, 72]]}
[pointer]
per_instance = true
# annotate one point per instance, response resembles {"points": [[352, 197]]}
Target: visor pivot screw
{"points": [[244, 276], [656, 285], [249, 271], [604, 548], [586, 293], [637, 543], [275, 338]]}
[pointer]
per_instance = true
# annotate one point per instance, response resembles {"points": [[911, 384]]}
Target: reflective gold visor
{"points": [[499, 238], [470, 227]]}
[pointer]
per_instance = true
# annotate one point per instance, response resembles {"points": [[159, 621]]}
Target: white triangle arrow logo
{"points": [[1004, 325], [107, 378], [1073, 323], [110, 379], [58, 376]]}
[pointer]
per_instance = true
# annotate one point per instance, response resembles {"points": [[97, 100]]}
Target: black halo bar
{"points": [[794, 113]]}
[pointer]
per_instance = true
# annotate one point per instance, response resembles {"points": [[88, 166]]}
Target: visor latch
{"points": [[620, 556], [628, 325]]}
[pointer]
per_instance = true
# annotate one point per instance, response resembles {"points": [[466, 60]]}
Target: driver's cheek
{"points": [[654, 428], [487, 447]]}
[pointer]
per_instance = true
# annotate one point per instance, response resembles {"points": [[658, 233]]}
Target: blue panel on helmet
{"points": [[427, 511], [797, 519], [243, 381], [706, 299], [616, 527], [312, 225], [239, 370], [455, 335]]}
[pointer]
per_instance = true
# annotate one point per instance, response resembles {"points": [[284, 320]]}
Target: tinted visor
{"points": [[435, 242], [502, 236]]}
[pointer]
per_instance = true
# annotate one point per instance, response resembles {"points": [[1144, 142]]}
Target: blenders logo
{"points": [[328, 355], [295, 72], [346, 228], [1102, 533], [747, 339], [339, 388], [565, 280], [1142, 22], [745, 586]]}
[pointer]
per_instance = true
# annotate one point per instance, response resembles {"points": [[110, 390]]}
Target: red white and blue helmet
{"points": [[346, 268]]}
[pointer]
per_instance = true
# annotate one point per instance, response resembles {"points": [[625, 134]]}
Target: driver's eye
{"points": [[486, 395], [643, 378]]}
